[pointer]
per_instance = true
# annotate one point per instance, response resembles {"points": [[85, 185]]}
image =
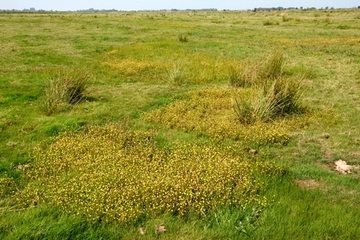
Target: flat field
{"points": [[180, 125]]}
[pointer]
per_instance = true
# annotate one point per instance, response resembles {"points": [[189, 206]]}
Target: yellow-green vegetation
{"points": [[112, 174], [158, 62], [211, 112], [213, 125]]}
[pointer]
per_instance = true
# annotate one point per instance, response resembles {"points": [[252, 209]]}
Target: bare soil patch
{"points": [[308, 183]]}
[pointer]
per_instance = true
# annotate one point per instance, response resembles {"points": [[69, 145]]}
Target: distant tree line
{"points": [[289, 8], [172, 10]]}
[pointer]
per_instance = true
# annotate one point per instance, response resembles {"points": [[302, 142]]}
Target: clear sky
{"points": [[64, 5]]}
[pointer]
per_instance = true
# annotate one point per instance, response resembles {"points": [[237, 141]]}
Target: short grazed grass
{"points": [[156, 138]]}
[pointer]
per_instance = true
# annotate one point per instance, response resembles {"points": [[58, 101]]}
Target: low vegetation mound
{"points": [[211, 112], [111, 174]]}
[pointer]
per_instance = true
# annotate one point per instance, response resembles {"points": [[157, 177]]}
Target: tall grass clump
{"points": [[270, 22], [277, 95], [242, 74], [273, 67], [286, 18], [244, 111], [280, 98], [63, 90], [258, 72], [176, 73], [183, 38]]}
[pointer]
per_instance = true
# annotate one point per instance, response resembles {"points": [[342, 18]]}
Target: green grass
{"points": [[177, 74]]}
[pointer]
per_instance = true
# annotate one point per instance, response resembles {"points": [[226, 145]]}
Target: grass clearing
{"points": [[181, 159]]}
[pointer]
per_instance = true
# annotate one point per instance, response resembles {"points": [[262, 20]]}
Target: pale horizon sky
{"points": [[72, 5]]}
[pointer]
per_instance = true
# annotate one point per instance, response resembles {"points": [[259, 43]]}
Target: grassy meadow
{"points": [[179, 125]]}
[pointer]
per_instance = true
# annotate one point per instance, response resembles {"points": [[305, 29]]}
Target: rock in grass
{"points": [[326, 135], [341, 166], [160, 229], [253, 151], [141, 230]]}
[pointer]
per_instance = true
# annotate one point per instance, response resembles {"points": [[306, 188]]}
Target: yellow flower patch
{"points": [[211, 112], [130, 66], [112, 174]]}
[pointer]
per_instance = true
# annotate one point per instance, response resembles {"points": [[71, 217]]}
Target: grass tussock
{"points": [[273, 66], [242, 74], [63, 90], [277, 99], [275, 95], [122, 176], [286, 18], [176, 73], [183, 38], [259, 72], [270, 22]]}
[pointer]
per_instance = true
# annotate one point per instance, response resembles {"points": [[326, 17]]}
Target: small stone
{"points": [[326, 135], [141, 230], [253, 151], [341, 166], [160, 229], [11, 144], [22, 167]]}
